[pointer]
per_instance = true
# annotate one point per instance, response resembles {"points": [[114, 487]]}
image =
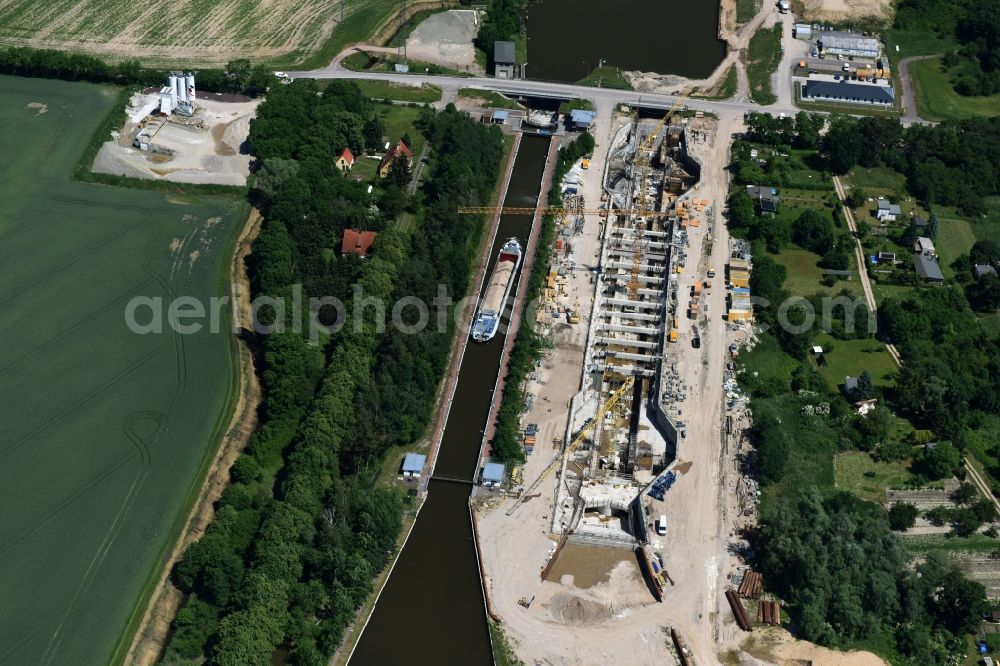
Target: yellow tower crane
{"points": [[580, 436]]}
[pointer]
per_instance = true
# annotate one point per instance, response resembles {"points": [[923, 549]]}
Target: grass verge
{"points": [[725, 89], [606, 77], [488, 98], [423, 94], [763, 56], [746, 10]]}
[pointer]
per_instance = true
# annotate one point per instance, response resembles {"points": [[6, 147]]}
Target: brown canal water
{"points": [[431, 610], [566, 38]]}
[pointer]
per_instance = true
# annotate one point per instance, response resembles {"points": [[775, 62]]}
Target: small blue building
{"points": [[413, 464], [580, 119], [492, 474]]}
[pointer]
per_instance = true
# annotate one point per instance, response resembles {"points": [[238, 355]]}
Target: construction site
{"points": [[173, 133], [626, 461]]}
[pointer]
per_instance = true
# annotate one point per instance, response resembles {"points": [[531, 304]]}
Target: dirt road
{"points": [[910, 115], [859, 256]]}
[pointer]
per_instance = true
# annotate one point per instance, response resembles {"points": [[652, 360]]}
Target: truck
{"points": [[661, 525]]}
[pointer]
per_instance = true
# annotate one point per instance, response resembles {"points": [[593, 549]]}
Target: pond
{"points": [[567, 38]]}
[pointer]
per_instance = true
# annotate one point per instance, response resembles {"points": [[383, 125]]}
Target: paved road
{"points": [[602, 97]]}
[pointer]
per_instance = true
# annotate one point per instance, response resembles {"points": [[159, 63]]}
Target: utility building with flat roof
{"points": [[852, 93], [504, 61], [492, 474], [848, 44], [413, 464]]}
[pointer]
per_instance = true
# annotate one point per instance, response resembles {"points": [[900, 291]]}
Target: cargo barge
{"points": [[497, 290]]}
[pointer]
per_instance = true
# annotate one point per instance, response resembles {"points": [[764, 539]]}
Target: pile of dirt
{"points": [[574, 609], [842, 10]]}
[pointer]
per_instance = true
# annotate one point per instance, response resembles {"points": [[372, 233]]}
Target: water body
{"points": [[566, 38], [431, 609]]}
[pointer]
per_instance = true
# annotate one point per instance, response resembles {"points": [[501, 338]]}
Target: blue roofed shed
{"points": [[413, 464], [500, 116], [581, 119], [492, 474]]}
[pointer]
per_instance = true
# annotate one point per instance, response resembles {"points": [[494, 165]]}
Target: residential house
{"points": [[928, 268], [886, 211], [886, 257], [346, 160], [504, 62], [357, 242], [399, 150], [979, 270], [920, 224], [851, 386], [766, 198], [923, 245]]}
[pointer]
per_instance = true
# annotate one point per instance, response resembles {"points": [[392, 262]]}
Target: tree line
{"points": [[304, 526], [954, 163], [238, 76]]}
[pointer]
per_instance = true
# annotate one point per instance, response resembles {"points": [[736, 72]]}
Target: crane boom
{"points": [[552, 210], [608, 404]]}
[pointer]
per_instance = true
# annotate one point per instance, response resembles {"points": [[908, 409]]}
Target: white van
{"points": [[661, 525]]}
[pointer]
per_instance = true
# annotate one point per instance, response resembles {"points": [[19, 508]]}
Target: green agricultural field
{"points": [[106, 433], [193, 31]]}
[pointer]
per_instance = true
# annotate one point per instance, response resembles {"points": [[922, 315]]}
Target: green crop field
{"points": [[105, 433]]}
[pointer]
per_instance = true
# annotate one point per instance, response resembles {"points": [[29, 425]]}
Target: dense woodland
{"points": [[304, 527], [955, 163], [832, 556], [974, 25]]}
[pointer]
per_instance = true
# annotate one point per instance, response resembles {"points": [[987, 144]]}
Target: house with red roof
{"points": [[346, 160], [399, 150], [357, 242]]}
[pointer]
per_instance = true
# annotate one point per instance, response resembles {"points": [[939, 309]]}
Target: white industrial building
{"points": [[178, 95], [848, 44]]}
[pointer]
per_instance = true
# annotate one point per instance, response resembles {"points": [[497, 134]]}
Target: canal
{"points": [[431, 609], [567, 38]]}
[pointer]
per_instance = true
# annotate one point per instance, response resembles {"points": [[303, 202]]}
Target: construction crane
{"points": [[643, 157], [605, 408], [551, 210]]}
